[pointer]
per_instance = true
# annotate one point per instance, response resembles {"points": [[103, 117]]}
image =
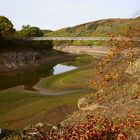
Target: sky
{"points": [[56, 14]]}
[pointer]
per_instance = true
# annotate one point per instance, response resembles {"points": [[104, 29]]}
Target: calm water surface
{"points": [[59, 68], [30, 77]]}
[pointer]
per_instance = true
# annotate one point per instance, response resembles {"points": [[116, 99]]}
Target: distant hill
{"points": [[99, 28], [46, 31]]}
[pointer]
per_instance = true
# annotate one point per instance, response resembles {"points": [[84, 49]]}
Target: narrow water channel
{"points": [[30, 77]]}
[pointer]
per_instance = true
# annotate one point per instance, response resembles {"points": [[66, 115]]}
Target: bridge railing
{"points": [[65, 38], [78, 38]]}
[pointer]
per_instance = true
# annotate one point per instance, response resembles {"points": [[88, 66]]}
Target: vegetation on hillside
{"points": [[106, 27], [28, 31], [72, 80], [92, 129], [113, 112], [6, 27], [19, 44], [78, 43], [7, 30], [10, 38], [117, 99], [81, 60], [22, 107], [45, 31]]}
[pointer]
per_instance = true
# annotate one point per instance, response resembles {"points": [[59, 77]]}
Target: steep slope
{"points": [[99, 28], [113, 112]]}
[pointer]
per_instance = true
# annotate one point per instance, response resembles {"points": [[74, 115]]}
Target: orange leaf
{"points": [[121, 137], [131, 115]]}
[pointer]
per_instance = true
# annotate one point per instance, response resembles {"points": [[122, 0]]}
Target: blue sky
{"points": [[55, 14]]}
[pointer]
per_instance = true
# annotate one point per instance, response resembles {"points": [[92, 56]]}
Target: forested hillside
{"points": [[103, 27]]}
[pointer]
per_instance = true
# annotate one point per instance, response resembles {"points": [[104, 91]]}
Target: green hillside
{"points": [[99, 28], [46, 31]]}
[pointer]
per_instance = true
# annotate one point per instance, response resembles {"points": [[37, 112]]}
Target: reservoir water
{"points": [[60, 68], [30, 77]]}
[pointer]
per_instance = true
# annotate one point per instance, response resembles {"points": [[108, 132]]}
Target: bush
{"points": [[6, 27], [77, 42], [28, 31], [19, 44]]}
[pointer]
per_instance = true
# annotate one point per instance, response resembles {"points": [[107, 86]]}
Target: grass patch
{"points": [[19, 109], [12, 99], [76, 79], [81, 60], [100, 28], [78, 42]]}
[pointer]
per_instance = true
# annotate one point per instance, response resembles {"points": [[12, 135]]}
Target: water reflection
{"points": [[31, 76], [59, 68]]}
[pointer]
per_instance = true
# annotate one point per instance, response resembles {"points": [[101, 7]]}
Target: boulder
{"points": [[134, 67]]}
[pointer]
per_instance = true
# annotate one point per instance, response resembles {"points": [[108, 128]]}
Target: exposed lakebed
{"points": [[22, 107]]}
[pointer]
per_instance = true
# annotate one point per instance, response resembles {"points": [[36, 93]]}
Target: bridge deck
{"points": [[76, 38]]}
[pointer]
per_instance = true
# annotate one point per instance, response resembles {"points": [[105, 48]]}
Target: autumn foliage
{"points": [[105, 73], [109, 72]]}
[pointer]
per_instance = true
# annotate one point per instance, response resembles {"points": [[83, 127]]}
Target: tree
{"points": [[28, 31], [6, 27]]}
